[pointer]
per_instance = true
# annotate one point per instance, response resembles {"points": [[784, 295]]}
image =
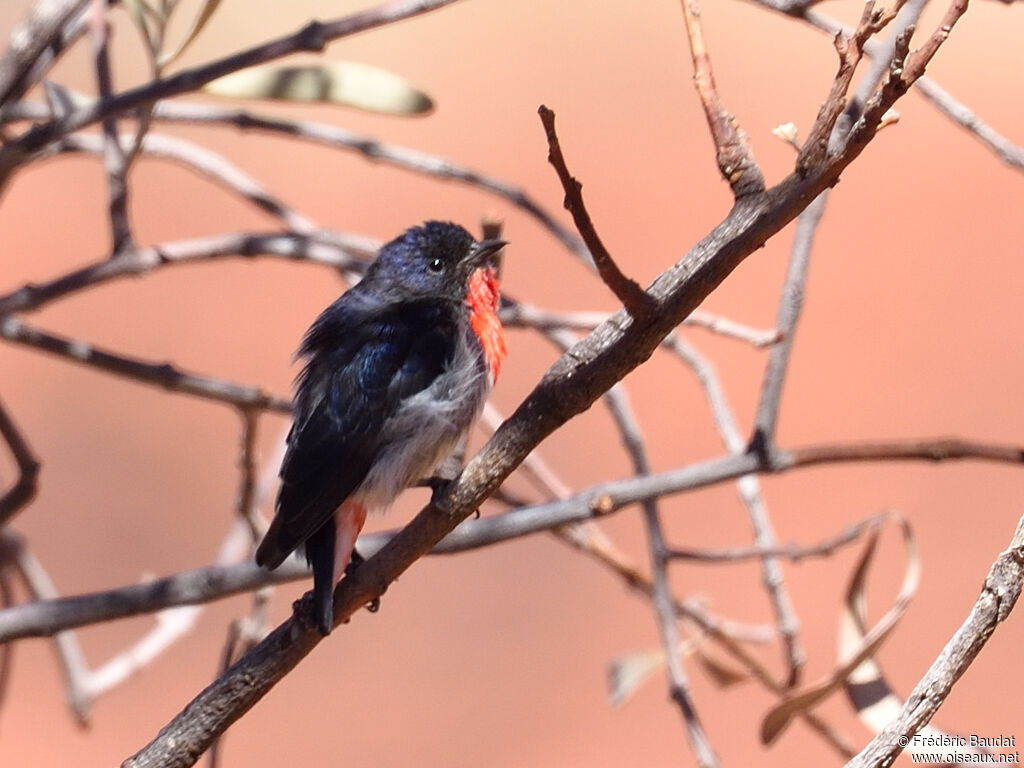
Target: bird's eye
{"points": [[435, 265]]}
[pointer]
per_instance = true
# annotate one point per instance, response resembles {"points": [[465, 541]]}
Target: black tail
{"points": [[320, 556]]}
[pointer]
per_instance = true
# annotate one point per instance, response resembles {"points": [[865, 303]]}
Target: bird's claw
{"points": [[354, 562]]}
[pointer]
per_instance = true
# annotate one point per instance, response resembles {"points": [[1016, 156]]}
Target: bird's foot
{"points": [[354, 562], [440, 492]]}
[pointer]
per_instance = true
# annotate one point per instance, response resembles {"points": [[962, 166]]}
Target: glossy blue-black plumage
{"points": [[358, 373], [392, 336]]}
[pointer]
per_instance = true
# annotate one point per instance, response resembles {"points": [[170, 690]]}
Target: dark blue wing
{"points": [[360, 367]]}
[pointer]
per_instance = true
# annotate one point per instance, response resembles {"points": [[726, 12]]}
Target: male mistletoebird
{"points": [[397, 370]]}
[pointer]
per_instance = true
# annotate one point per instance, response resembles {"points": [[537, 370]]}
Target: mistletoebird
{"points": [[396, 372]]}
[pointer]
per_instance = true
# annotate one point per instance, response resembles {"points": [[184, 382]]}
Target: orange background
{"points": [[498, 657]]}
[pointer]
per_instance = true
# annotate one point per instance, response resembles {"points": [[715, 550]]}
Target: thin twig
{"points": [[24, 489], [43, 618], [245, 507], [749, 487], [664, 602], [313, 37], [335, 137], [633, 297], [735, 158], [115, 157], [28, 43], [519, 314], [1010, 153], [163, 375], [69, 652], [795, 552], [200, 160], [334, 249]]}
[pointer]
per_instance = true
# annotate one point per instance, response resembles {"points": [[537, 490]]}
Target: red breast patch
{"points": [[482, 299]]}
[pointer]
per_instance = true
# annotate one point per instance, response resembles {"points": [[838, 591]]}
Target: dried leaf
{"points": [[205, 12], [341, 82], [719, 672], [629, 672], [854, 654]]}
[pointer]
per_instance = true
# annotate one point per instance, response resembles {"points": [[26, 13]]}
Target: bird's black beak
{"points": [[482, 252]]}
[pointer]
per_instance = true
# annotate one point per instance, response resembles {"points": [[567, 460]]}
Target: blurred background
{"points": [[499, 656]]}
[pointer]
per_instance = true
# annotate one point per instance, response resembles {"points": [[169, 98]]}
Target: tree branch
{"points": [[24, 488], [160, 374], [632, 296], [312, 37], [735, 158]]}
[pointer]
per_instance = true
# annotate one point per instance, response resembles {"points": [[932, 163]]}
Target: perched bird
{"points": [[396, 372]]}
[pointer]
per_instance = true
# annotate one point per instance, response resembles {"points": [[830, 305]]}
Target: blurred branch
{"points": [[792, 551], [749, 488], [116, 158], [519, 314], [998, 596], [313, 37], [28, 42], [162, 375], [43, 618], [665, 604], [322, 247], [24, 488], [434, 166], [202, 161], [69, 653]]}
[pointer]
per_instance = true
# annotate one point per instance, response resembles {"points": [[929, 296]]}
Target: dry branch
{"points": [[627, 291]]}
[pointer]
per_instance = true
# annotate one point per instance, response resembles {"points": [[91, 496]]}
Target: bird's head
{"points": [[437, 259]]}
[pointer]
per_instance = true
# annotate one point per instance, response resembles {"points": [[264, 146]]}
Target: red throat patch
{"points": [[482, 300]]}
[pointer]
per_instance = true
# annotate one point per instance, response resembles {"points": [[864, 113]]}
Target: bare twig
{"points": [[793, 551], [115, 157], [735, 159], [519, 314], [344, 252], [312, 37], [941, 99], [7, 652], [24, 488], [28, 42], [245, 507], [749, 488], [69, 652], [417, 161], [661, 595], [213, 582], [162, 375], [633, 297], [198, 159]]}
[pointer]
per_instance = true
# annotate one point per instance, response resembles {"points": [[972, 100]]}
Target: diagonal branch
{"points": [[571, 386], [313, 37], [632, 296], [29, 41]]}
